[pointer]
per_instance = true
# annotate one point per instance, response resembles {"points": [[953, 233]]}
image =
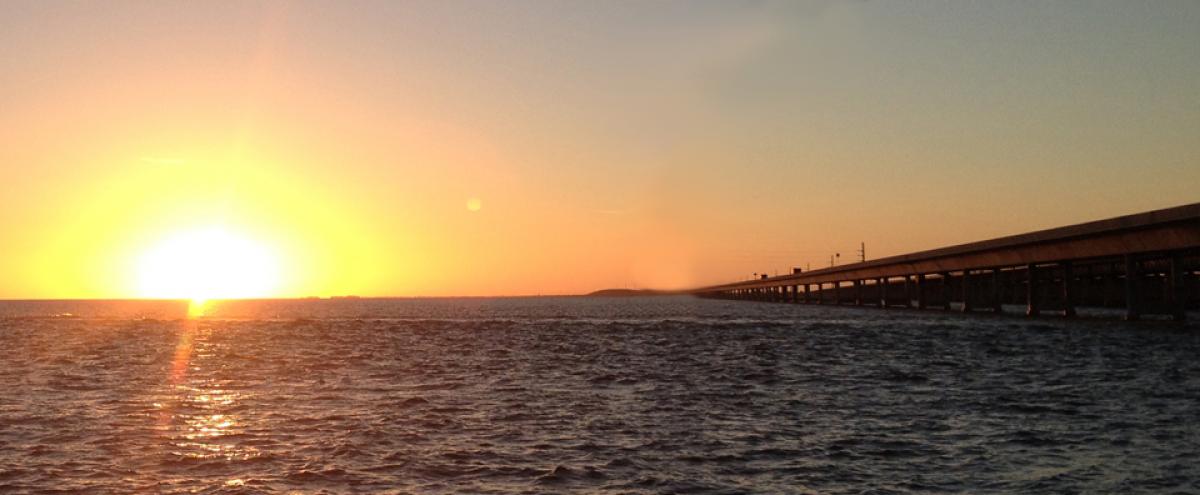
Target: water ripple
{"points": [[665, 395]]}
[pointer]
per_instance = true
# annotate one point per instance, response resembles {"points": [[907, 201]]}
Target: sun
{"points": [[207, 263]]}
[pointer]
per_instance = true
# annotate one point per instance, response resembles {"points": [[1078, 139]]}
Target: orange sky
{"points": [[598, 144]]}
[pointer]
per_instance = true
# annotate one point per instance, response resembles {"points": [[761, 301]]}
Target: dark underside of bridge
{"points": [[1143, 264]]}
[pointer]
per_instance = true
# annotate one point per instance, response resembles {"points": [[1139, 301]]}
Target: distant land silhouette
{"points": [[630, 293]]}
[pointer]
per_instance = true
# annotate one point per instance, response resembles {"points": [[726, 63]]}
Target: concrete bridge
{"points": [[1145, 263]]}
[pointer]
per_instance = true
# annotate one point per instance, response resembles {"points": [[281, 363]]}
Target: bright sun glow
{"points": [[207, 264]]}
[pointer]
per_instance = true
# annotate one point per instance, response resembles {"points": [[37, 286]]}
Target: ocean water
{"points": [[588, 395]]}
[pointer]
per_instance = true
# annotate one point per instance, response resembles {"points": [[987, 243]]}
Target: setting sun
{"points": [[572, 246], [208, 263]]}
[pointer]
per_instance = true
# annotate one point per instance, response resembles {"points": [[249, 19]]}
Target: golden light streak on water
{"points": [[183, 353], [197, 417]]}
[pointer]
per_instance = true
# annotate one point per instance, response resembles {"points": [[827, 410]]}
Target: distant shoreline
{"points": [[631, 293]]}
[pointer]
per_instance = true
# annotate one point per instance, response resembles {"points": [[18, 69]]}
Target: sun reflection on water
{"points": [[207, 426], [200, 417]]}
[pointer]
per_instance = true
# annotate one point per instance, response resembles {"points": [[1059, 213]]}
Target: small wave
{"points": [[562, 474]]}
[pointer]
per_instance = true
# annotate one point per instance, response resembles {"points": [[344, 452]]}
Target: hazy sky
{"points": [[599, 144]]}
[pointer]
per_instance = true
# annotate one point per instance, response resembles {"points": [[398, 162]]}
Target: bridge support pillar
{"points": [[1132, 297], [997, 296], [1032, 304], [1085, 286], [966, 291], [882, 283], [946, 296], [837, 293], [858, 290], [921, 291], [1068, 277], [1176, 293], [907, 291]]}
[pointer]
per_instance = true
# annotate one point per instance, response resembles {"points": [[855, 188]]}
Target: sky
{"points": [[512, 148]]}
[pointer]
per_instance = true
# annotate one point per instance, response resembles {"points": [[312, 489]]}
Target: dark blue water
{"points": [[642, 395]]}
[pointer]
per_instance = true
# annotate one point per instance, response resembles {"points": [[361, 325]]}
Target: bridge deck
{"points": [[1150, 258]]}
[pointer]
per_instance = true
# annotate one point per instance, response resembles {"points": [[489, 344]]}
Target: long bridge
{"points": [[1145, 264]]}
